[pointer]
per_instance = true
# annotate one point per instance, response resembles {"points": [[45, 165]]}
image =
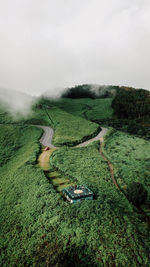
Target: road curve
{"points": [[96, 138], [46, 139]]}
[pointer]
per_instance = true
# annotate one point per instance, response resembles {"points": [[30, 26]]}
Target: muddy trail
{"points": [[110, 167]]}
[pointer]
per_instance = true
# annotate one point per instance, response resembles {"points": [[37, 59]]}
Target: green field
{"points": [[9, 142], [118, 220], [69, 129], [39, 228], [130, 156], [92, 109]]}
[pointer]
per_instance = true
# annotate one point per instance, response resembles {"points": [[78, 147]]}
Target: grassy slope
{"points": [[9, 138], [100, 110], [5, 117], [87, 108], [70, 118], [70, 129], [25, 198], [42, 229], [130, 156], [118, 222], [38, 117]]}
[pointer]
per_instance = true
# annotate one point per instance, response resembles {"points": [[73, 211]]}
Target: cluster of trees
{"points": [[90, 91], [131, 103], [136, 193], [79, 91]]}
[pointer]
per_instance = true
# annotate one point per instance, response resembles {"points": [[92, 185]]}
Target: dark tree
{"points": [[130, 103], [80, 91], [136, 193]]}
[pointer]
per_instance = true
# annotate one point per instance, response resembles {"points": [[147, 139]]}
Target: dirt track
{"points": [[110, 166], [44, 157]]}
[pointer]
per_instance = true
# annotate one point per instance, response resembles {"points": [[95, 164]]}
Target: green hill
{"points": [[39, 228]]}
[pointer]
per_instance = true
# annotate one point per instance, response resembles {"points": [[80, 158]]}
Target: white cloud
{"points": [[59, 43], [17, 103]]}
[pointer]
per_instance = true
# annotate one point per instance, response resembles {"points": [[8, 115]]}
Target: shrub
{"points": [[136, 193]]}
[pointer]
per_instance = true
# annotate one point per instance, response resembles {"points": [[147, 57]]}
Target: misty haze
{"points": [[59, 44]]}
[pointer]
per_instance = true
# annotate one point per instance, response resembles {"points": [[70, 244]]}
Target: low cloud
{"points": [[16, 103]]}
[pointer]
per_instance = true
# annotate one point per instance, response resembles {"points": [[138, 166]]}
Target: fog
{"points": [[16, 103], [51, 44]]}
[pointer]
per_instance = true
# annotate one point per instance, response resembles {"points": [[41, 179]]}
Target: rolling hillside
{"points": [[39, 228]]}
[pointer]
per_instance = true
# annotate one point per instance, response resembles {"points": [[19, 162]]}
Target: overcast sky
{"points": [[51, 44]]}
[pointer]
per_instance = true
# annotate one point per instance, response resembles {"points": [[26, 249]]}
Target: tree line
{"points": [[90, 91], [130, 103]]}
